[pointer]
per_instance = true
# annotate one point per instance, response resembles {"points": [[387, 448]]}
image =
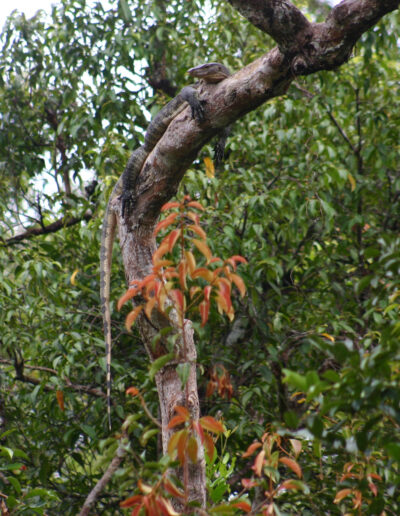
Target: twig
{"points": [[122, 450]]}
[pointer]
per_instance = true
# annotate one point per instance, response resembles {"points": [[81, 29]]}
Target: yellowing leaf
{"points": [[352, 181], [326, 335], [203, 248], [296, 445], [204, 273], [73, 276], [149, 306], [210, 169], [258, 463], [198, 230], [192, 449], [191, 262]]}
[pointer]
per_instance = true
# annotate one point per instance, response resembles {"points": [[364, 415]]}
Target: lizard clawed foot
{"points": [[198, 110], [127, 203]]}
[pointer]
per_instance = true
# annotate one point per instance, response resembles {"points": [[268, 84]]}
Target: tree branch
{"points": [[55, 226], [101, 484]]}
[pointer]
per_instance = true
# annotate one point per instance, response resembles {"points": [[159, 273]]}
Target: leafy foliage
{"points": [[309, 194]]}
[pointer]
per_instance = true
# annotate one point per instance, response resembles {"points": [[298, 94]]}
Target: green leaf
{"points": [[159, 363]]}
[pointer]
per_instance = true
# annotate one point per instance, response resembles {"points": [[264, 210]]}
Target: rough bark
{"points": [[303, 48]]}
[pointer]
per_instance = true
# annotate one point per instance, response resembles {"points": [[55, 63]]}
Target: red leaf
{"points": [[207, 292], [132, 501], [198, 429], [129, 294], [204, 308], [182, 411], [248, 483], [342, 494], [179, 300], [182, 269], [182, 446], [175, 421], [242, 505], [211, 424], [172, 489]]}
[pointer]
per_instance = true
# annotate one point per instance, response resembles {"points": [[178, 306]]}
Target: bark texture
{"points": [[303, 48]]}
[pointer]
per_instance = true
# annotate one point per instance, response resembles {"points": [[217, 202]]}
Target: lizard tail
{"points": [[107, 240]]}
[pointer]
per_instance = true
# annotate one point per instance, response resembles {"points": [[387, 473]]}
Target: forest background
{"points": [[309, 194]]}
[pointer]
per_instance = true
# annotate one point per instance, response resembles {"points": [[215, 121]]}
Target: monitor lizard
{"points": [[125, 186]]}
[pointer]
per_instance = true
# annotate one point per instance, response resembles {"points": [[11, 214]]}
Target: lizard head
{"points": [[210, 72]]}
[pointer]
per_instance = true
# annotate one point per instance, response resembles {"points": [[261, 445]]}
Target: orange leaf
{"points": [[237, 280], [242, 505], [193, 216], [182, 269], [178, 299], [211, 424], [166, 507], [292, 464], [192, 449], [173, 237], [207, 292], [132, 501], [129, 294], [165, 223], [258, 463], [159, 253], [198, 230], [191, 262], [169, 205], [204, 308], [251, 449], [149, 307], [193, 291], [204, 273], [132, 316], [209, 446], [238, 258], [342, 494], [195, 204], [182, 411], [373, 488], [160, 264], [224, 287], [203, 248], [132, 391], [60, 399], [175, 421], [172, 489]]}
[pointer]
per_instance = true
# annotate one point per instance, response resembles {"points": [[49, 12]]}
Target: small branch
{"points": [[20, 376], [102, 483], [55, 226]]}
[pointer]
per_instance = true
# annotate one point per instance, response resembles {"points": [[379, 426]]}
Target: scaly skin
{"points": [[126, 184]]}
